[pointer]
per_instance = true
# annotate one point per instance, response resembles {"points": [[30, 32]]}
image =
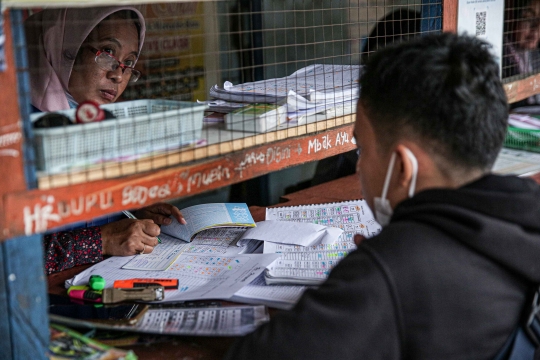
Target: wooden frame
{"points": [[27, 212]]}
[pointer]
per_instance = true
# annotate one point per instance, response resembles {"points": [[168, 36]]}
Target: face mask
{"points": [[383, 210]]}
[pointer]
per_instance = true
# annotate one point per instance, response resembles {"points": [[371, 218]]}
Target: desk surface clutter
{"points": [[212, 347], [162, 346]]}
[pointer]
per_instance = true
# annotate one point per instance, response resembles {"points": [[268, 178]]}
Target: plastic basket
{"points": [[140, 127], [524, 139]]}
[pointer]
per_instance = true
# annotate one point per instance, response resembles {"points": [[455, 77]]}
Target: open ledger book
{"points": [[310, 265], [208, 216]]}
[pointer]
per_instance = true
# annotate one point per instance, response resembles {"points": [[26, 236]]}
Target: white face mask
{"points": [[383, 210]]}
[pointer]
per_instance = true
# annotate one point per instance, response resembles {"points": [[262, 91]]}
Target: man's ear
{"points": [[407, 167]]}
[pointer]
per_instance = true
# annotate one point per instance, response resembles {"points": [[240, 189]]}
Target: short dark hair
{"points": [[441, 89], [399, 25]]}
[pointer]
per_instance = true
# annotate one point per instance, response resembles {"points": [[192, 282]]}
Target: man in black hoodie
{"points": [[459, 253]]}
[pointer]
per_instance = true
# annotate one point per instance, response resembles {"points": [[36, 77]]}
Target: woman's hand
{"points": [[160, 213], [129, 237]]}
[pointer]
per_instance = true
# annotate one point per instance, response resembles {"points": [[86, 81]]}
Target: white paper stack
{"points": [[314, 89]]}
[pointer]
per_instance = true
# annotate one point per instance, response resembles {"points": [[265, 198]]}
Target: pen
{"points": [[131, 216]]}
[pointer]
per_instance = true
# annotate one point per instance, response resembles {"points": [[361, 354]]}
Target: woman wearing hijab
{"points": [[84, 54]]}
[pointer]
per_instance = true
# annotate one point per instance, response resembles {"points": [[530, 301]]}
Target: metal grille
{"points": [[521, 56], [191, 47]]}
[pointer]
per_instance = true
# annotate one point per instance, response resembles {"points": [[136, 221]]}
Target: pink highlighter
{"points": [[86, 295]]}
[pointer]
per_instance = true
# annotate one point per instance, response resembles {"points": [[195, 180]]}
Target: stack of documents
{"points": [[310, 265], [301, 246], [325, 81], [314, 89], [222, 106], [256, 117]]}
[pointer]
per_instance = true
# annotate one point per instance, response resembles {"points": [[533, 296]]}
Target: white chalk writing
{"points": [[342, 138], [37, 220], [141, 194], [250, 159], [317, 145], [9, 152], [86, 203], [276, 154], [273, 154], [10, 139], [207, 178]]}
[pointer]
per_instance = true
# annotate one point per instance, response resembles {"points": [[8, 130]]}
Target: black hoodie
{"points": [[446, 279]]}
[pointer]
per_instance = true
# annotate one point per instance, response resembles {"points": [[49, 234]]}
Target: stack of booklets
{"points": [[256, 117], [298, 268], [311, 265]]}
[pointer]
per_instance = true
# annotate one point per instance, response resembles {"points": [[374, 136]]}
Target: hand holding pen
{"points": [[131, 216], [130, 237]]}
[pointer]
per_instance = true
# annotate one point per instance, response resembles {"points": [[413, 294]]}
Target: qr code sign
{"points": [[481, 23]]}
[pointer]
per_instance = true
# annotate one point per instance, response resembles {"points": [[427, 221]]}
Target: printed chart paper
{"points": [[160, 258], [200, 276], [218, 321], [211, 241], [311, 265], [206, 321]]}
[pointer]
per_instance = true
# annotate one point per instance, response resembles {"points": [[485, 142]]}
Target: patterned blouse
{"points": [[66, 249]]}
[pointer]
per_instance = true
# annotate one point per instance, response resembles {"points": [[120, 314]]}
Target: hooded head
{"points": [[54, 39]]}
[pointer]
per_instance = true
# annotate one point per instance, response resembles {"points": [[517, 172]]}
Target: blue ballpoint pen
{"points": [[131, 216]]}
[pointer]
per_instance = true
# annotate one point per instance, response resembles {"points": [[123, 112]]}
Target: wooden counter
{"points": [[212, 348]]}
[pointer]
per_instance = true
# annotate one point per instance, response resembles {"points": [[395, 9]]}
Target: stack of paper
{"points": [[310, 265], [277, 296], [311, 90], [298, 106], [328, 81], [222, 106], [256, 117], [204, 270]]}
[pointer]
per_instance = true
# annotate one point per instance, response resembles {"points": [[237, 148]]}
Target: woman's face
{"points": [[118, 37], [528, 27]]}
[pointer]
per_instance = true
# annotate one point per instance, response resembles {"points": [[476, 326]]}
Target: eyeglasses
{"points": [[108, 62]]}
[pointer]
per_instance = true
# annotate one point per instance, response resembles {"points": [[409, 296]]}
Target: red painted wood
{"points": [[35, 211], [11, 136], [450, 10], [346, 188]]}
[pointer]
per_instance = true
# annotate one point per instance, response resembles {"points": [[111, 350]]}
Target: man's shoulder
{"points": [[405, 238], [408, 251]]}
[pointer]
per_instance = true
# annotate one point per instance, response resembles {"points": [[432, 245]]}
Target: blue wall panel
{"points": [[23, 299]]}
